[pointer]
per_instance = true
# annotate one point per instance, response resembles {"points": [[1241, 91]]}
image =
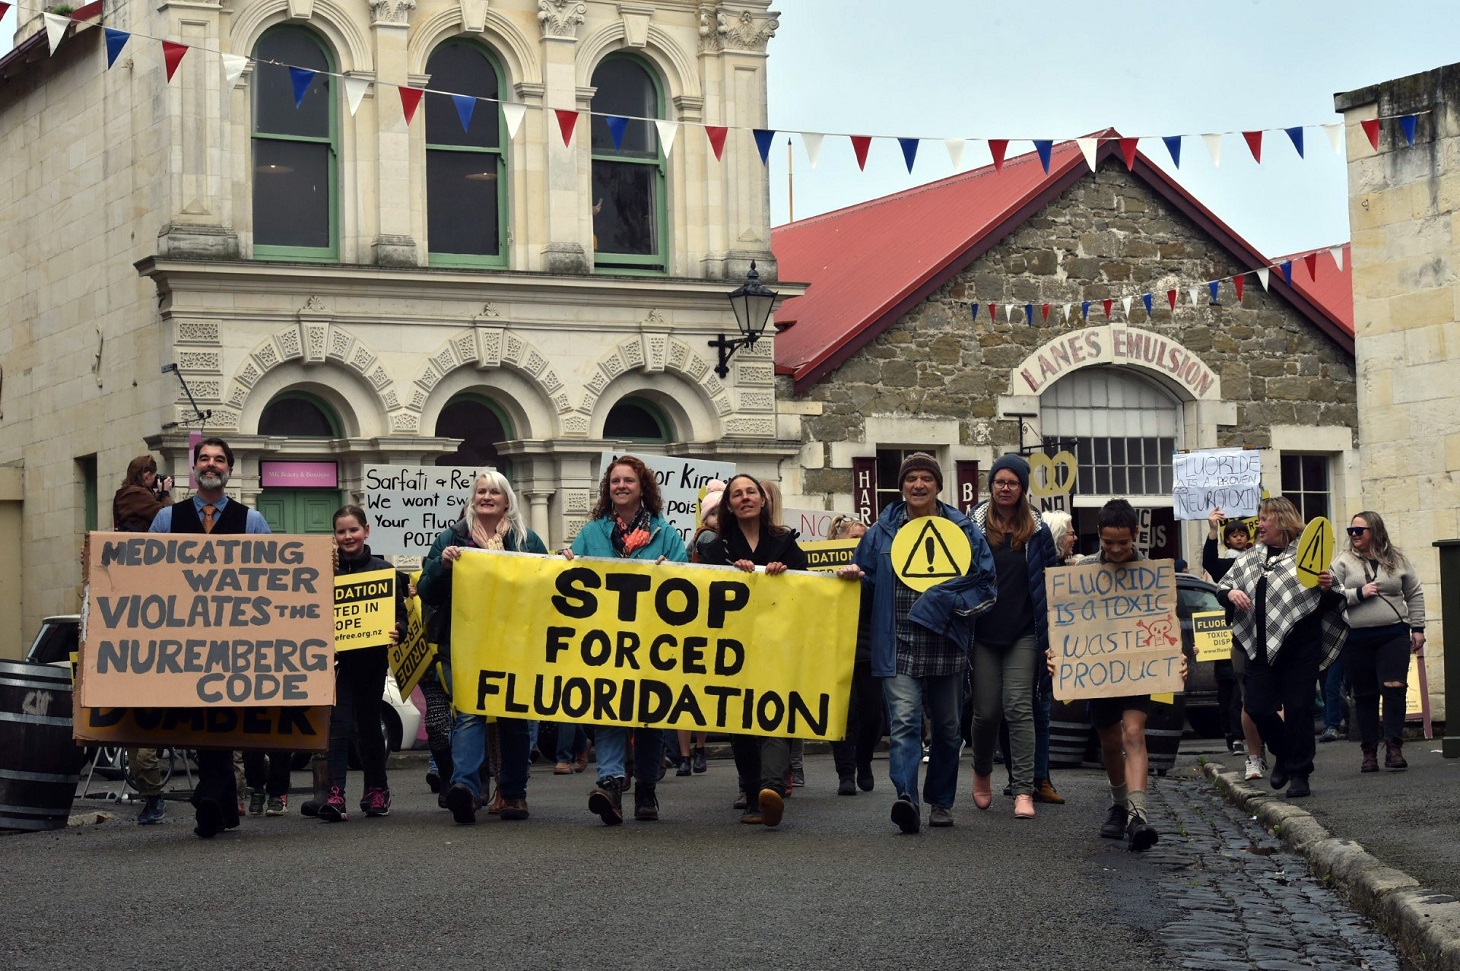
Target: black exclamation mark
{"points": [[928, 549]]}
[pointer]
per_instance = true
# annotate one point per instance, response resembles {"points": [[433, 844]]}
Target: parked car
{"points": [[1193, 596]]}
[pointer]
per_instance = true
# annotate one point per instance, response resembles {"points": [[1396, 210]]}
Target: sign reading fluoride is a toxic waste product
{"points": [[1113, 629], [930, 550]]}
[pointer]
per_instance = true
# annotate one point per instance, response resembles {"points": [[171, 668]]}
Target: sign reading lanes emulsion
{"points": [[188, 620], [629, 643]]}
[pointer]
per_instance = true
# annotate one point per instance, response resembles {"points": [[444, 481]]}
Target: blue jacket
{"points": [[1040, 554], [948, 609], [595, 539]]}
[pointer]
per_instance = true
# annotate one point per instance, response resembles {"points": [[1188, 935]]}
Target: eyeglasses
{"points": [[1357, 530], [1005, 485]]}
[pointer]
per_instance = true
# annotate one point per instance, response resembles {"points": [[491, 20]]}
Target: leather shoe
{"points": [[1279, 776], [1298, 788], [983, 790], [1044, 791], [1023, 806]]}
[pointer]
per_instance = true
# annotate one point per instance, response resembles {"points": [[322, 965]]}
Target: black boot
{"points": [[700, 763], [646, 804], [319, 765], [445, 769], [606, 801], [846, 784]]}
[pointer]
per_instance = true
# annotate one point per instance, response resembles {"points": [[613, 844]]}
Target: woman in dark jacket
{"points": [[747, 537], [142, 496], [853, 754]]}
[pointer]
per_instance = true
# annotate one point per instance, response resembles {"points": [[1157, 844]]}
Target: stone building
{"points": [[340, 286], [883, 354], [1404, 209]]}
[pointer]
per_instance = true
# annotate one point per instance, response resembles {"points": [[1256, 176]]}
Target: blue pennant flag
{"points": [[115, 41], [1146, 299], [1296, 134], [1173, 145], [1287, 266], [909, 151], [302, 77], [1029, 314], [974, 307], [763, 139], [465, 105], [1085, 311], [1407, 125], [1044, 146], [616, 128], [1213, 287]]}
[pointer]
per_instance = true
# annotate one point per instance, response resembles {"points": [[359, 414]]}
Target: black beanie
{"points": [[1016, 464], [920, 462]]}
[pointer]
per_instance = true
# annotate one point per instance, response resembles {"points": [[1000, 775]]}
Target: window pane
{"points": [[1288, 465], [1315, 473], [291, 193], [461, 202], [1119, 484], [478, 427], [462, 69], [624, 218], [630, 420], [295, 416], [274, 111], [625, 88]]}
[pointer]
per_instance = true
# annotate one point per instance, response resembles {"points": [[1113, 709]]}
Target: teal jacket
{"points": [[595, 539]]}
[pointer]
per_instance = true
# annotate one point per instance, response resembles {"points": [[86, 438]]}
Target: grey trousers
{"points": [[1003, 690]]}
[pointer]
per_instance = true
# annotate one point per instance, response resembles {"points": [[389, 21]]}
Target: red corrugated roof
{"points": [[869, 264]]}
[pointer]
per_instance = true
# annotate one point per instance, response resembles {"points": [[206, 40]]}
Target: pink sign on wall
{"points": [[299, 475]]}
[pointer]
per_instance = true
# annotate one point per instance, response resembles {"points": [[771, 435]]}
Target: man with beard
{"points": [[215, 798]]}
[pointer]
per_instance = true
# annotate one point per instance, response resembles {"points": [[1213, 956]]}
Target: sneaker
{"points": [[646, 803], [257, 799], [750, 813], [1237, 747], [685, 767], [153, 811], [332, 810], [798, 776], [514, 809], [940, 816], [1140, 834], [1329, 735], [278, 806], [701, 765], [906, 815], [771, 807], [376, 802], [463, 804], [1115, 823], [606, 800], [1256, 768], [209, 816]]}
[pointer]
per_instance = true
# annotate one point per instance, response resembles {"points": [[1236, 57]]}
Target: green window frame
{"points": [[323, 407], [500, 462], [465, 168], [636, 172], [649, 408], [294, 150]]}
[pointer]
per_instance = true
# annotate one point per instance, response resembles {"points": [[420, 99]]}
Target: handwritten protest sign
{"points": [[811, 524], [189, 620], [294, 729], [413, 656], [364, 609], [411, 504], [1211, 636], [680, 481], [825, 555], [1113, 629], [622, 642], [1225, 478]]}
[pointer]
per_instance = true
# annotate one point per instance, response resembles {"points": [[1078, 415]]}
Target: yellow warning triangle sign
{"points": [[929, 550]]}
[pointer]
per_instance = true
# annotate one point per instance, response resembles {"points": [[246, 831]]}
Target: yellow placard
{"points": [[413, 656], [930, 550], [1315, 551], [1414, 694], [825, 555], [630, 643], [1211, 635], [364, 609]]}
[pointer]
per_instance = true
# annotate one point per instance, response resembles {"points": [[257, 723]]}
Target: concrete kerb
{"points": [[1425, 923]]}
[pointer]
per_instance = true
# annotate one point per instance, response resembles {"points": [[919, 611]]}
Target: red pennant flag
{"points": [[1171, 299], [997, 147], [993, 313], [1046, 311], [172, 55], [1237, 282], [1128, 151], [1106, 304], [1371, 128], [717, 139], [1312, 261], [4, 9], [860, 144], [567, 121], [1254, 142], [410, 100]]}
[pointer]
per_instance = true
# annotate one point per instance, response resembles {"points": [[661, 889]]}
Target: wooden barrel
{"points": [[39, 762], [1164, 725], [1070, 734]]}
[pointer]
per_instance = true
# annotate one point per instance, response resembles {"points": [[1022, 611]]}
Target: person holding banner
{"points": [[920, 641], [747, 538], [1378, 580], [628, 523], [1289, 632], [853, 754], [491, 521]]}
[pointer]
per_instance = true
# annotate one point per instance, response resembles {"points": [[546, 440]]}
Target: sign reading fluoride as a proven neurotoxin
{"points": [[1228, 479]]}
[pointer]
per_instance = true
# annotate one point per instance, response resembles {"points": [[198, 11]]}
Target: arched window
{"points": [[628, 181], [1124, 426], [637, 420], [299, 415], [481, 426], [295, 154], [466, 170]]}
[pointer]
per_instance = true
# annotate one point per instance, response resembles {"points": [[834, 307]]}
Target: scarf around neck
{"points": [[631, 536], [489, 540]]}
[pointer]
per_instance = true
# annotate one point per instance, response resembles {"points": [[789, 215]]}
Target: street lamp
{"points": [[752, 304]]}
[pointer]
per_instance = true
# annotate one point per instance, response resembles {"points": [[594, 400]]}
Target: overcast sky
{"points": [[1061, 68]]}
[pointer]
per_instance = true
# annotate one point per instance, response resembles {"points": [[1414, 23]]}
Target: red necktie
{"points": [[208, 511]]}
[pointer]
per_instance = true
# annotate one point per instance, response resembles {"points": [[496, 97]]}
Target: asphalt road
{"points": [[836, 885]]}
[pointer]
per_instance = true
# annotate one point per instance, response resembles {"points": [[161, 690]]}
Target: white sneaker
{"points": [[1256, 767]]}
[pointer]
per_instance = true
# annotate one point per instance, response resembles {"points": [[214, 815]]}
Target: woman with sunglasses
{"points": [[1386, 619]]}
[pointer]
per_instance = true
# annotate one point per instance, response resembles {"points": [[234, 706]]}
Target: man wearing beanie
{"points": [[920, 643]]}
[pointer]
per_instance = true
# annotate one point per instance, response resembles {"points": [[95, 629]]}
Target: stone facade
{"points": [[1404, 207]]}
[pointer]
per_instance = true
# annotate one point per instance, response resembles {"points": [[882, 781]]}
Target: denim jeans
{"points": [[611, 745], [907, 697], [469, 750], [1041, 733], [1003, 690], [572, 739], [1333, 695]]}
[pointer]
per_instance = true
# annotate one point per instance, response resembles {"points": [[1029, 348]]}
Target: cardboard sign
{"points": [[811, 524], [412, 504], [1414, 698], [1315, 551], [1218, 478], [1211, 636], [1113, 629], [364, 609], [271, 729], [825, 555], [680, 481], [629, 643], [929, 550], [413, 656], [191, 620]]}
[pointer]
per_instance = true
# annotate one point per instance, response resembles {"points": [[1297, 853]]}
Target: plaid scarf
{"points": [[1288, 602], [630, 536]]}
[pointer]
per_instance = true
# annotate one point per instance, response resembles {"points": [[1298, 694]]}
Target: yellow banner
{"points": [[364, 609], [413, 656], [825, 555], [1212, 636], [623, 642]]}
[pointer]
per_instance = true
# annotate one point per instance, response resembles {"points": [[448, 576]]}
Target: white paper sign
{"points": [[810, 523], [409, 505], [1225, 478], [680, 481]]}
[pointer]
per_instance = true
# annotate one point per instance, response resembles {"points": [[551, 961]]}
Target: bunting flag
{"points": [[1371, 128], [955, 152], [233, 65], [1407, 125], [1008, 313], [513, 115], [1337, 253], [1195, 292], [115, 40], [993, 312], [974, 306], [1106, 304], [617, 125], [355, 89], [301, 78], [860, 145], [1065, 312], [1287, 268], [812, 142], [910, 152], [1237, 285], [1145, 299], [56, 25], [4, 9], [1085, 311], [1214, 285], [667, 131], [466, 106], [410, 100], [1046, 311], [1045, 147], [764, 138], [1029, 314], [172, 55], [1254, 144], [1296, 134], [716, 135], [1214, 146], [1173, 145], [997, 148], [1311, 261], [1128, 151], [567, 121], [1171, 298], [1335, 137], [1088, 147], [1125, 303], [1262, 276]]}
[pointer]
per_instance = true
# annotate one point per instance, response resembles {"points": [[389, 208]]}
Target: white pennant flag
{"points": [[1195, 299], [955, 152], [1008, 313], [355, 89], [1065, 313], [667, 131], [1126, 302], [512, 114], [1337, 253], [233, 65], [1263, 274], [55, 28], [1335, 137], [812, 141], [1214, 145], [1088, 147]]}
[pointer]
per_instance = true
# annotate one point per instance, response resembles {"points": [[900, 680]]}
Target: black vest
{"points": [[232, 518]]}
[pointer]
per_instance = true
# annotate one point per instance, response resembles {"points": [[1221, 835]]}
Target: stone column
{"points": [[394, 245], [569, 229], [537, 512]]}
